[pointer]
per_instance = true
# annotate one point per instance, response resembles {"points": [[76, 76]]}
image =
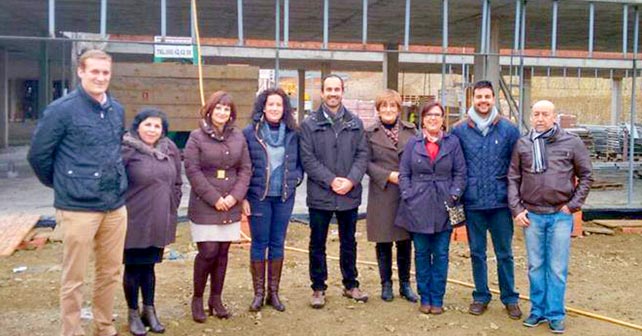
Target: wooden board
{"points": [[13, 229], [614, 224], [598, 229], [174, 89]]}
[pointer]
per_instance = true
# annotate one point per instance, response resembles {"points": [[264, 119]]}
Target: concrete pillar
{"points": [[528, 76], [391, 67], [13, 100], [487, 65], [44, 82], [4, 99], [616, 100], [301, 94]]}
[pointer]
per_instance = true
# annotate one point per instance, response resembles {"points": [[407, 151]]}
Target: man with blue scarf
{"points": [[487, 140], [543, 195]]}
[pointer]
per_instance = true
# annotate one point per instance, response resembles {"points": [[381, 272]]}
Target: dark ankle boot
{"points": [[384, 261], [274, 279], [404, 249], [216, 307], [150, 319], [136, 326], [386, 291], [198, 314], [406, 292], [257, 268]]}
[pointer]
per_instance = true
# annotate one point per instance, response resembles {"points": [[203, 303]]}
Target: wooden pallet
{"points": [[616, 223], [13, 229]]}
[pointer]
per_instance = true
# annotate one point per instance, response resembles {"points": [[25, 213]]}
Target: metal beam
{"points": [[103, 18], [239, 21], [163, 7], [444, 48], [52, 18], [488, 21], [4, 98], [636, 29], [277, 38], [364, 23], [518, 11], [286, 22], [326, 13], [591, 27], [406, 35], [444, 26], [484, 27], [625, 29], [554, 29]]}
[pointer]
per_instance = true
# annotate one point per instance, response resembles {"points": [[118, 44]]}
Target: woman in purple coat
{"points": [[432, 172], [218, 167], [153, 165]]}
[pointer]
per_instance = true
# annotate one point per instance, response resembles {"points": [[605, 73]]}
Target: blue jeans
{"points": [[431, 263], [499, 223], [268, 225], [548, 244], [319, 225]]}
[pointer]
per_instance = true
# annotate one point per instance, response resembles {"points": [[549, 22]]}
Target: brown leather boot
{"points": [[150, 319], [274, 279], [257, 268]]}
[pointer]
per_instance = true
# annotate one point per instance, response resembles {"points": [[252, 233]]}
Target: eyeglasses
{"points": [[433, 115]]}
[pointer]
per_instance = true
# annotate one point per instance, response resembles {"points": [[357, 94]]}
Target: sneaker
{"points": [[534, 321], [355, 294], [557, 327], [477, 308], [513, 311], [317, 301]]}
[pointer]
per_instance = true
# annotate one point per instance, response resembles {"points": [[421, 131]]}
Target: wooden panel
{"points": [[13, 229], [174, 70], [174, 89]]}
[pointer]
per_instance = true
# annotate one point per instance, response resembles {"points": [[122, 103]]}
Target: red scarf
{"points": [[432, 144]]}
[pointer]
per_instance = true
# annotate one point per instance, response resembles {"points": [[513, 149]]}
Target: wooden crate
{"points": [[174, 89]]}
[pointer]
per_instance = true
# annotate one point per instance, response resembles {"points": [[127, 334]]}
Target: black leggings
{"points": [[139, 276]]}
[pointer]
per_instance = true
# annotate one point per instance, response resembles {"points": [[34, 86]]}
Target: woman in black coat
{"points": [[273, 143], [153, 165]]}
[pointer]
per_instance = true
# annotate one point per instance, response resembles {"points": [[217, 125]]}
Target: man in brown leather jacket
{"points": [[543, 194]]}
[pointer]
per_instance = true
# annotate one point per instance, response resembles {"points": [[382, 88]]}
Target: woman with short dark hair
{"points": [[217, 165], [432, 174], [153, 164], [273, 143]]}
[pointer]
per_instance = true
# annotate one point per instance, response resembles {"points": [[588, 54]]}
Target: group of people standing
{"points": [[118, 193]]}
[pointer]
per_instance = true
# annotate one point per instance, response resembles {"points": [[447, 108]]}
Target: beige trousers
{"points": [[104, 232]]}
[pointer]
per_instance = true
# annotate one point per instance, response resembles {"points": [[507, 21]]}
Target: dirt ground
{"points": [[605, 277]]}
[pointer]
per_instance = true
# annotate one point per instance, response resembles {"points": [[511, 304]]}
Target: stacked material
{"points": [[568, 120], [365, 109], [599, 135], [586, 137]]}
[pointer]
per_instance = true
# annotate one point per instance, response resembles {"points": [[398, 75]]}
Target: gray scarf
{"points": [[539, 148], [481, 123]]}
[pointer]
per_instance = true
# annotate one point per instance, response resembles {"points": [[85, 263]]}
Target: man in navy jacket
{"points": [[487, 140], [75, 150]]}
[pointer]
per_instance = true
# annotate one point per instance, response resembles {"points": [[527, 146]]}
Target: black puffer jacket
{"points": [[327, 154], [76, 150]]}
